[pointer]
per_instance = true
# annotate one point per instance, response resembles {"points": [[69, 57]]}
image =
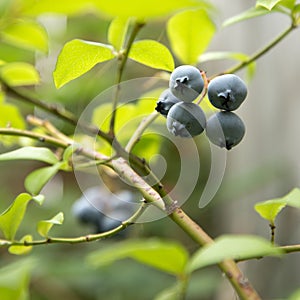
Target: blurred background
{"points": [[264, 166]]}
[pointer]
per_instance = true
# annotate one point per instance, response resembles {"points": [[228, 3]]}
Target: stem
{"points": [[272, 227], [140, 130], [122, 62], [33, 135], [81, 239], [261, 52], [55, 110]]}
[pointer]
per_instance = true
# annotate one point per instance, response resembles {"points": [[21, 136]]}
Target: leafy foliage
{"points": [[169, 257], [190, 32], [45, 226], [232, 247]]}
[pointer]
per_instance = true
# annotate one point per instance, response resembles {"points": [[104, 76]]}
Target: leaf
{"points": [[77, 57], [37, 179], [117, 32], [20, 250], [190, 32], [253, 12], [271, 208], [239, 247], [19, 74], [14, 279], [30, 153], [166, 256], [241, 57], [147, 9], [26, 34], [44, 226], [268, 4], [11, 219], [152, 54]]}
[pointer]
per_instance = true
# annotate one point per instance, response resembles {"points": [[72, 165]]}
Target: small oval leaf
{"points": [[152, 54], [11, 219], [77, 57], [37, 179], [237, 247], [21, 250], [117, 32], [45, 226], [166, 256], [190, 32], [30, 153], [19, 74], [26, 34]]}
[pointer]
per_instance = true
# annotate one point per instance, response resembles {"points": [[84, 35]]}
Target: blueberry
{"points": [[225, 129], [186, 83], [227, 92], [165, 101], [186, 119]]}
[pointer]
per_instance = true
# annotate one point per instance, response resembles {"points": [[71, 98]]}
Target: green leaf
{"points": [[166, 256], [268, 4], [296, 14], [77, 57], [11, 219], [26, 34], [19, 74], [14, 280], [271, 208], [219, 55], [147, 9], [30, 153], [117, 32], [37, 179], [152, 54], [44, 226], [20, 250], [190, 32], [237, 247], [253, 12]]}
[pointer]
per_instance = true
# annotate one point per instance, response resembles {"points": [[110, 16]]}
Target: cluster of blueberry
{"points": [[186, 119]]}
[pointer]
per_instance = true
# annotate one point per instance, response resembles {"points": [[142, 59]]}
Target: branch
{"points": [[122, 62], [261, 52], [33, 135], [82, 239], [140, 130]]}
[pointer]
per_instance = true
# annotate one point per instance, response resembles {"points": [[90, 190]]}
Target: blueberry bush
{"points": [[106, 108]]}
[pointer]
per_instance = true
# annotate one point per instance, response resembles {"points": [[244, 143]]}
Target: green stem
{"points": [[81, 239], [33, 135], [140, 130], [122, 62], [261, 52]]}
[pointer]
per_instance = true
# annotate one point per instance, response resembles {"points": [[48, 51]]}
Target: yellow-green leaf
{"points": [[153, 54], [268, 4], [37, 179], [26, 34], [77, 57], [11, 219], [30, 153], [163, 255], [190, 32], [19, 73], [117, 32], [271, 208], [20, 250], [232, 247], [44, 226]]}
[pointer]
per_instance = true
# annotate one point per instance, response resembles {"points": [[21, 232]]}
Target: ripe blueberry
{"points": [[227, 92], [186, 83], [225, 129], [186, 119], [165, 101]]}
